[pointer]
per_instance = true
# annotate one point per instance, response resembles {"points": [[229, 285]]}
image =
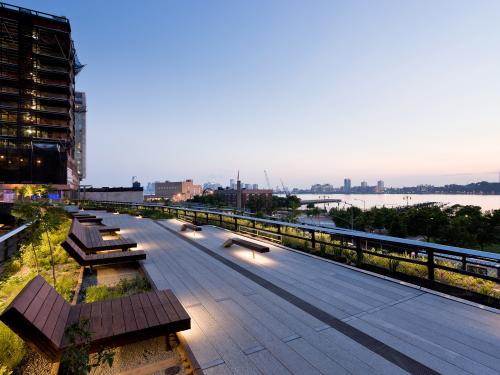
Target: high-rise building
{"points": [[80, 134], [232, 183], [380, 187], [364, 184], [347, 185], [38, 65]]}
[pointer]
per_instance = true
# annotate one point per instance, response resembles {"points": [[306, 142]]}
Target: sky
{"points": [[311, 91]]}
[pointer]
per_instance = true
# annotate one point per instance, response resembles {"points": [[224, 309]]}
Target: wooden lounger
{"points": [[81, 215], [191, 226], [89, 260], [89, 239], [39, 315], [248, 244], [96, 220]]}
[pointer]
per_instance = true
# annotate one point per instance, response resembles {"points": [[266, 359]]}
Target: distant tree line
{"points": [[264, 204], [482, 187], [464, 226]]}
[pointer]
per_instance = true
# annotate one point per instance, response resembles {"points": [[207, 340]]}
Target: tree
{"points": [[30, 214]]}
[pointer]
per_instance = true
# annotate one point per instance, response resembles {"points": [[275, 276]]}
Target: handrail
{"points": [[427, 254], [9, 242]]}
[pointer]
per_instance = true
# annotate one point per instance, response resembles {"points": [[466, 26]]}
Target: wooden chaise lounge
{"points": [[191, 226], [96, 220], [40, 316], [89, 238], [89, 260], [81, 215], [248, 244]]}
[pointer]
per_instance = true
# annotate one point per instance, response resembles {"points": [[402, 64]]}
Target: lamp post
{"points": [[352, 214], [361, 200]]}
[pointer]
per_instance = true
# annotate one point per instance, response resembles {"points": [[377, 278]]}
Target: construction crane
{"points": [[267, 180], [285, 189]]}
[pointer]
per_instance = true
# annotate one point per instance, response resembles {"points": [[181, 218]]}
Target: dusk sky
{"points": [[311, 91]]}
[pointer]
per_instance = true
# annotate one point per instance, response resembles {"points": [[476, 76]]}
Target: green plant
{"points": [[12, 349], [338, 252], [124, 288], [393, 265], [76, 359]]}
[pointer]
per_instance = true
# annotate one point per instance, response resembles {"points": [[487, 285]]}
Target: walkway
{"points": [[284, 312]]}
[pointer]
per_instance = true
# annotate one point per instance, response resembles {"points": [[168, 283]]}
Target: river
{"points": [[486, 202]]}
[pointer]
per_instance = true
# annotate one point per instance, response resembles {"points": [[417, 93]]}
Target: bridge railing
{"points": [[429, 261]]}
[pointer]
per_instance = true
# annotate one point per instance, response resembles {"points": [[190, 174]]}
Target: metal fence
{"points": [[334, 243], [10, 242]]}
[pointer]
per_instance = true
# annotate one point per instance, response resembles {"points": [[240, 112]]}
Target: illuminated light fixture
{"points": [[2, 157], [21, 159], [39, 161]]}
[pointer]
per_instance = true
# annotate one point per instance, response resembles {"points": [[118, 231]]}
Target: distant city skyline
{"points": [[405, 92]]}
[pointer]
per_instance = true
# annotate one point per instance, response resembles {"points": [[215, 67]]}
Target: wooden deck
{"points": [[284, 312]]}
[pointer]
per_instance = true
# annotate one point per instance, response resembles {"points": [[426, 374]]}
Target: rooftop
{"points": [[34, 12]]}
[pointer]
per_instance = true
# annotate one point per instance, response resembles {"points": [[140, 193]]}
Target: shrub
{"points": [[124, 288], [393, 265], [12, 349]]}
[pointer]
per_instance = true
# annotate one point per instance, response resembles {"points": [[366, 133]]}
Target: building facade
{"points": [[177, 191], [347, 185], [380, 188], [80, 134], [38, 65], [239, 198]]}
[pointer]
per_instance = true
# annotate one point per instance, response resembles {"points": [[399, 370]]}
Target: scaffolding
{"points": [[37, 76]]}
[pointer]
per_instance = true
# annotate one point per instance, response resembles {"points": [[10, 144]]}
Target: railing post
{"points": [[464, 263], [236, 224], [220, 220], [430, 264], [359, 251], [313, 240]]}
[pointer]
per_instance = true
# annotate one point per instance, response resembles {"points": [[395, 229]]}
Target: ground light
{"points": [[253, 257]]}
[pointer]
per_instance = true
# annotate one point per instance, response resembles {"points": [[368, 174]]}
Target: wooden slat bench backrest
{"points": [[74, 250], [38, 315], [78, 232]]}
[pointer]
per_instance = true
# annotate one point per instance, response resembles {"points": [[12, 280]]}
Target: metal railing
{"points": [[318, 240], [10, 242]]}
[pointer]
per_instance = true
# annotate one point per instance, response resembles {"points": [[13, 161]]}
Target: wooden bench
{"points": [[101, 259], [95, 220], [191, 226], [40, 316], [89, 238], [248, 244], [81, 215]]}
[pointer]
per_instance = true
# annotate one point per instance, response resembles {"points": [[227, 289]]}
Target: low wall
{"points": [[114, 196]]}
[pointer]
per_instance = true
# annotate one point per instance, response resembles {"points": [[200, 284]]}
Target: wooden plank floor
{"points": [[241, 327]]}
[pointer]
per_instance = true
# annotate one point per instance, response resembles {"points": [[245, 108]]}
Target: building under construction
{"points": [[38, 65]]}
